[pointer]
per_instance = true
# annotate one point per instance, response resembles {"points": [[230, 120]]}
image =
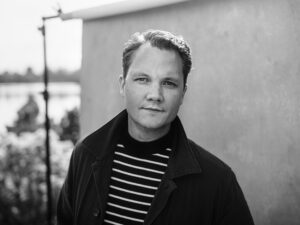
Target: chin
{"points": [[153, 125]]}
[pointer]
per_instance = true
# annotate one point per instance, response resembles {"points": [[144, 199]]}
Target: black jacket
{"points": [[197, 188]]}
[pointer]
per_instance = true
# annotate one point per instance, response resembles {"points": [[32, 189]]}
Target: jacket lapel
{"points": [[101, 175], [181, 163], [161, 198], [101, 145]]}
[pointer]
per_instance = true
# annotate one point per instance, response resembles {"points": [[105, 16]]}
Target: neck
{"points": [[144, 134]]}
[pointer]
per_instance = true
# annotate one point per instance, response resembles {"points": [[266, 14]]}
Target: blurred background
{"points": [[242, 102], [23, 189]]}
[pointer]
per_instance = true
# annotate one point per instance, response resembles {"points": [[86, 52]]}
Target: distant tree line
{"points": [[30, 77]]}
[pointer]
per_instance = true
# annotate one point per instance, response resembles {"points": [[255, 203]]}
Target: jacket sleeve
{"points": [[233, 208], [65, 199]]}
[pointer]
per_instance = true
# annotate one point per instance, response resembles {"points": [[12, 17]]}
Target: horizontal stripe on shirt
{"points": [[133, 184]]}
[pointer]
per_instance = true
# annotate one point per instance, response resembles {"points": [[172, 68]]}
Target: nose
{"points": [[155, 93]]}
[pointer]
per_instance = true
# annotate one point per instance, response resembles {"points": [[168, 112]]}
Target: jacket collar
{"points": [[182, 161]]}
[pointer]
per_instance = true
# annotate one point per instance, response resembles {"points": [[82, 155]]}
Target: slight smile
{"points": [[153, 109]]}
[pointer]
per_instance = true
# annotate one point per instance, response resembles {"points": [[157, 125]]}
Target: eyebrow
{"points": [[139, 74], [168, 77], [171, 78]]}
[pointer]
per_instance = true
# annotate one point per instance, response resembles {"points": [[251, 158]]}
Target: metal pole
{"points": [[47, 122], [47, 128]]}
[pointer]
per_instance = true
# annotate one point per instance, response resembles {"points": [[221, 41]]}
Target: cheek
{"points": [[131, 96], [175, 101]]}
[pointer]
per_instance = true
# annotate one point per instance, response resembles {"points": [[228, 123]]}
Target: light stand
{"points": [[47, 123]]}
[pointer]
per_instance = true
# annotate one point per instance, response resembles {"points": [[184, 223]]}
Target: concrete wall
{"points": [[243, 97]]}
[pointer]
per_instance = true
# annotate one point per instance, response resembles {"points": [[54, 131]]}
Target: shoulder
{"points": [[216, 176], [103, 138], [209, 163], [90, 145]]}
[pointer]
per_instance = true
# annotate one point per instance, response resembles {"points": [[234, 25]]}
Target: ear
{"points": [[183, 93], [122, 84]]}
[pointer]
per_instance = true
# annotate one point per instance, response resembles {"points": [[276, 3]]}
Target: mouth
{"points": [[152, 109]]}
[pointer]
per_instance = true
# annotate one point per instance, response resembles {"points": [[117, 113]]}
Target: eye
{"points": [[170, 84], [141, 79]]}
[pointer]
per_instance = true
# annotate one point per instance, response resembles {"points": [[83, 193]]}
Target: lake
{"points": [[63, 97]]}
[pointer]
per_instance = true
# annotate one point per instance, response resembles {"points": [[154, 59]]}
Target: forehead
{"points": [[152, 59]]}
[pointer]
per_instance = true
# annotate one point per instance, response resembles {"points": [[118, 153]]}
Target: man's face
{"points": [[153, 90]]}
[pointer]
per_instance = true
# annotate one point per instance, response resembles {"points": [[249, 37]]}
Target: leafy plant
{"points": [[23, 189]]}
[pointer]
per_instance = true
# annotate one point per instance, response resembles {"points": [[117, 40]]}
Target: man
{"points": [[140, 168]]}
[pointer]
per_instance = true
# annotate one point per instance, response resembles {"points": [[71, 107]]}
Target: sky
{"points": [[21, 43]]}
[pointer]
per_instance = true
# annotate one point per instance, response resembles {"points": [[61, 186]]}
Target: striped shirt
{"points": [[137, 171]]}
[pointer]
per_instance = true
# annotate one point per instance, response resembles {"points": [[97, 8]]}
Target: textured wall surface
{"points": [[243, 97]]}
